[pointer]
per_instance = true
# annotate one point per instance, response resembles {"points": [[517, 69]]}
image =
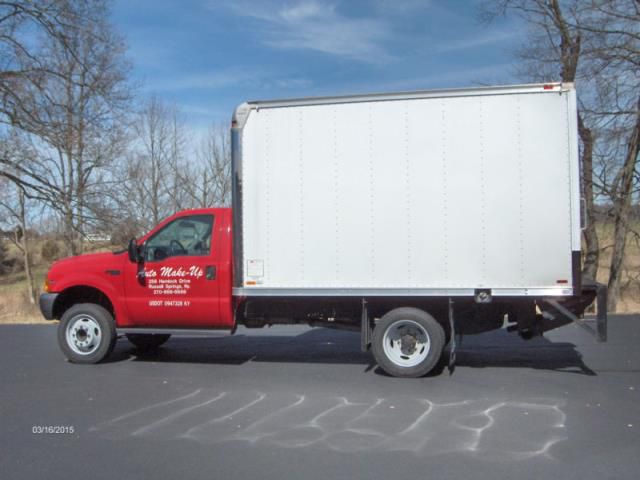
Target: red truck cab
{"points": [[179, 275]]}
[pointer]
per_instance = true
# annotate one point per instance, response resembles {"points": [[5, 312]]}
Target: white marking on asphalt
{"points": [[481, 427], [170, 418], [189, 433], [144, 409]]}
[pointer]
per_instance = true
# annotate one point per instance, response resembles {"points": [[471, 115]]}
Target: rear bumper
{"points": [[47, 300]]}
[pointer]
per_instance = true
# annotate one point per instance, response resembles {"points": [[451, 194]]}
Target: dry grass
{"points": [[629, 301], [14, 300]]}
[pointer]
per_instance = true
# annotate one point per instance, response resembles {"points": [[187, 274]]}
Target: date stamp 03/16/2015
{"points": [[52, 429]]}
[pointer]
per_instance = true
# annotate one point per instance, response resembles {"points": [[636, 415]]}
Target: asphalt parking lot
{"points": [[295, 402]]}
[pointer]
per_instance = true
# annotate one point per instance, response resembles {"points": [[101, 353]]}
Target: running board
{"points": [[452, 340], [185, 332]]}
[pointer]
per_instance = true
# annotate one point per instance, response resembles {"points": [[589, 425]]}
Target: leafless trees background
{"points": [[82, 151], [157, 178]]}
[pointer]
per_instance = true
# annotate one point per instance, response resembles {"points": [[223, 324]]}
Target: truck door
{"points": [[176, 285]]}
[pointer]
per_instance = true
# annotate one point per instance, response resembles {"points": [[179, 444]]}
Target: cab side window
{"points": [[184, 236]]}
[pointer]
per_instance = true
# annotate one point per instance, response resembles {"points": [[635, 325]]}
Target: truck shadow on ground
{"points": [[498, 349]]}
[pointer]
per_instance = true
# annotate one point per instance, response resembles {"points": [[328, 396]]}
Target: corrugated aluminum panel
{"points": [[438, 192]]}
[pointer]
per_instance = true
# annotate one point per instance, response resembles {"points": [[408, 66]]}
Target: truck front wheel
{"points": [[407, 342], [86, 333]]}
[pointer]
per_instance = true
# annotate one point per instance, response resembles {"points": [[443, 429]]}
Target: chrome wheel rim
{"points": [[83, 334], [406, 343]]}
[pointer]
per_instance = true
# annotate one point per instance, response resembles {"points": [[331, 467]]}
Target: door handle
{"points": [[211, 272]]}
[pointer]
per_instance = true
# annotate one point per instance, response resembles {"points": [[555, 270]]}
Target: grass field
{"points": [[629, 301], [16, 308], [14, 300]]}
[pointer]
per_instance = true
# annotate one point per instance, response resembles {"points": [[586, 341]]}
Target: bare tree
{"points": [[178, 162], [211, 182], [23, 64], [155, 164], [614, 54], [14, 204], [72, 118]]}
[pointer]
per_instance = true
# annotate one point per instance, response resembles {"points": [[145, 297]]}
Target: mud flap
{"points": [[452, 340], [365, 328], [601, 317]]}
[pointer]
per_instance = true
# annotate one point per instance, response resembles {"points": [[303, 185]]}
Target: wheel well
{"points": [[81, 294]]}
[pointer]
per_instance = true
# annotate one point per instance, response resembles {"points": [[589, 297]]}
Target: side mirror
{"points": [[134, 253]]}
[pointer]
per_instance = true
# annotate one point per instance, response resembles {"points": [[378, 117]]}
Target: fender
{"points": [[95, 281]]}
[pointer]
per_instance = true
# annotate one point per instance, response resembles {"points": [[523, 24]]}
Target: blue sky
{"points": [[207, 56]]}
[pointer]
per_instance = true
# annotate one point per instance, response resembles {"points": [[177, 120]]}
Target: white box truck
{"points": [[463, 204], [410, 217]]}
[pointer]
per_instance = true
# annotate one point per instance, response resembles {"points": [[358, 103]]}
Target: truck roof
{"points": [[242, 110]]}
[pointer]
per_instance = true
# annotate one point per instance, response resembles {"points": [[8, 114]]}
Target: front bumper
{"points": [[47, 300]]}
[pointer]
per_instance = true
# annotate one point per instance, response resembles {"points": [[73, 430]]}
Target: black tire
{"points": [[418, 325], [148, 341], [99, 336]]}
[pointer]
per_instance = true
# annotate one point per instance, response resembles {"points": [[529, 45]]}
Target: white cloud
{"points": [[478, 41], [494, 74], [204, 80], [401, 7], [312, 25], [302, 11], [200, 111], [249, 77]]}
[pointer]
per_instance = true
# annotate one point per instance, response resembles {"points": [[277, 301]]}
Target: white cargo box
{"points": [[421, 193]]}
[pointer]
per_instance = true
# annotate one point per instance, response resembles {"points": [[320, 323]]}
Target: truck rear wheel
{"points": [[86, 333], [408, 342], [148, 341]]}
